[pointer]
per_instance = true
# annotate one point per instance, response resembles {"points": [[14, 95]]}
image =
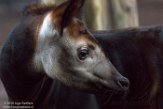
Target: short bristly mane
{"points": [[37, 9]]}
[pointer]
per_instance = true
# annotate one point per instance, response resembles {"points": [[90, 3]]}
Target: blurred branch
{"points": [[52, 2], [96, 14], [123, 13]]}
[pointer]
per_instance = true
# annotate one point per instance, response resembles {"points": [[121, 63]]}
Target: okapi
{"points": [[49, 54], [138, 55]]}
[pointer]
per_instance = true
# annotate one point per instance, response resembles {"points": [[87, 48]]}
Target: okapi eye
{"points": [[83, 53]]}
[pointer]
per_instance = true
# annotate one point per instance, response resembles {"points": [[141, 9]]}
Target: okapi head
{"points": [[68, 52]]}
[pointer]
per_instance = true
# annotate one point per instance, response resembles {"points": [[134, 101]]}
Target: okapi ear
{"points": [[36, 9], [65, 12], [71, 11]]}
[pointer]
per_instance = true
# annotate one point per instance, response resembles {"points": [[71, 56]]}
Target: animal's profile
{"points": [[51, 50]]}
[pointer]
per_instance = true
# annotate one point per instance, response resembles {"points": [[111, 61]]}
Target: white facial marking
{"points": [[47, 29], [47, 35]]}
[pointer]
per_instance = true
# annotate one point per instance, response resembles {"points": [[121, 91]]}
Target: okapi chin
{"points": [[51, 45]]}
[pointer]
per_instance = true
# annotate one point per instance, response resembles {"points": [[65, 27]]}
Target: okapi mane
{"points": [[37, 9]]}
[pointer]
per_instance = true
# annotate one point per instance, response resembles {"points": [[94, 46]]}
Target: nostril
{"points": [[123, 83]]}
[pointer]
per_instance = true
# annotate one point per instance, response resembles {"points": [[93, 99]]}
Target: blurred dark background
{"points": [[150, 13]]}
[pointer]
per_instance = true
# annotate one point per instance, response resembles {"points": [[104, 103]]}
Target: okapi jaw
{"points": [[75, 58]]}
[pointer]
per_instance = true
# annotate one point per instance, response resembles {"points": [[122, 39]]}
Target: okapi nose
{"points": [[123, 83]]}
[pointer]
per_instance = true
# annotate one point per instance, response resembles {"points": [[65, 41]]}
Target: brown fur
{"points": [[75, 32], [37, 9]]}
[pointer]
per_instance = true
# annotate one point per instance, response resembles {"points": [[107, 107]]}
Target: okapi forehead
{"points": [[73, 30]]}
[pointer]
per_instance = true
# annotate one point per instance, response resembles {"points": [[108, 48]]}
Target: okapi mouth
{"points": [[121, 84], [109, 78], [104, 87]]}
